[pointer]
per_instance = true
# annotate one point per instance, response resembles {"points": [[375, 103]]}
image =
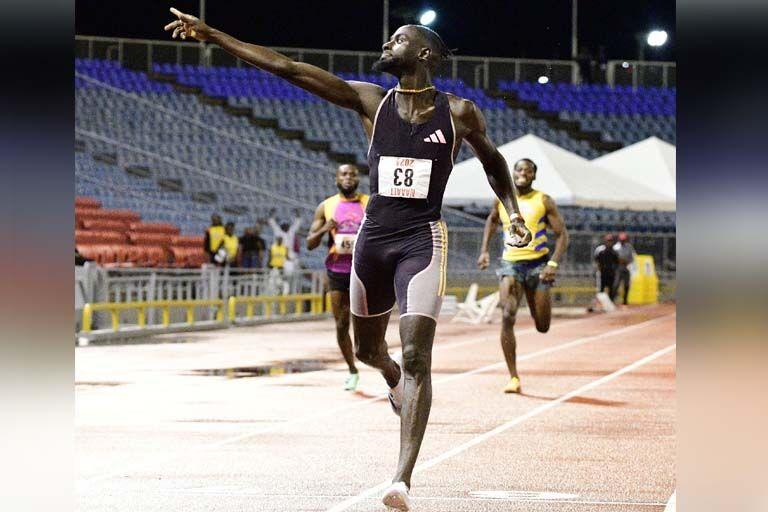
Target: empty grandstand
{"points": [[184, 141]]}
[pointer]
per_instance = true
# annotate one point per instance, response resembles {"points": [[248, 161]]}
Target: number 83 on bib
{"points": [[404, 177]]}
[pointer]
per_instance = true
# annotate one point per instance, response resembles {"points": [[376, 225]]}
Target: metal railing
{"points": [[483, 72], [464, 248], [114, 309], [271, 307], [95, 284], [641, 73]]}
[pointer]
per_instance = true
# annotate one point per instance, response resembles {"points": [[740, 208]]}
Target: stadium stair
{"points": [[262, 122], [573, 128]]}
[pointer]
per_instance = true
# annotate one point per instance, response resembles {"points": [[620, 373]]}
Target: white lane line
{"points": [[259, 494], [345, 505], [557, 348], [332, 412], [672, 503]]}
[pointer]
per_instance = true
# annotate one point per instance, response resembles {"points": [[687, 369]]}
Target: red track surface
{"points": [[151, 435]]}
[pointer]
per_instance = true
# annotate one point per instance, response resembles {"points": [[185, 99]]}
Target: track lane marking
{"points": [[85, 483], [372, 491]]}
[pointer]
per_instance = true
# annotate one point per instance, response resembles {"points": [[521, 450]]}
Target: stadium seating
{"points": [[119, 238], [620, 114], [295, 109], [134, 155]]}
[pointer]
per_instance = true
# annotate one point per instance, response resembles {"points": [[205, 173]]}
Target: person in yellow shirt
{"points": [[213, 236], [278, 253], [231, 244], [530, 269], [228, 251]]}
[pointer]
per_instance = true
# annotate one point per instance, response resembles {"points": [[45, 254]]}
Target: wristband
{"points": [[551, 263]]}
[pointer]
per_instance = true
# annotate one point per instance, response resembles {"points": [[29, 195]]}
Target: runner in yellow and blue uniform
{"points": [[530, 269]]}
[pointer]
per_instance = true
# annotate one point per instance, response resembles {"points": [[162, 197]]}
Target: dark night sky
{"points": [[522, 28]]}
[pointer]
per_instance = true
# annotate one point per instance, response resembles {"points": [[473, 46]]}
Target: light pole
{"points": [[654, 39], [385, 24], [203, 50], [574, 29]]}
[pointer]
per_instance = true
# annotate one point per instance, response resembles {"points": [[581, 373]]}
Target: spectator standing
{"points": [[252, 247], [214, 235], [278, 254], [626, 255], [229, 248], [606, 261], [288, 234]]}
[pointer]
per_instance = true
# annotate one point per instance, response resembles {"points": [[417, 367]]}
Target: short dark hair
{"points": [[535, 167], [436, 43]]}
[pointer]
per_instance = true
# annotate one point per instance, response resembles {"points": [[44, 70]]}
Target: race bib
{"points": [[404, 177], [344, 242]]}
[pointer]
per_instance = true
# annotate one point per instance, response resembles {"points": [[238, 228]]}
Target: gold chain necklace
{"points": [[414, 91]]}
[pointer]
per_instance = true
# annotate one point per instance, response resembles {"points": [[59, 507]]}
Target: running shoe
{"points": [[351, 382], [396, 393], [513, 386], [396, 497]]}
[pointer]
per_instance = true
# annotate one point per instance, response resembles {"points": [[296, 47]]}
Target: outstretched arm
{"points": [[276, 229], [490, 228], [294, 227], [557, 224], [496, 169], [357, 96]]}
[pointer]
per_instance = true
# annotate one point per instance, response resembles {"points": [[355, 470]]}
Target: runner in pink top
{"points": [[341, 216]]}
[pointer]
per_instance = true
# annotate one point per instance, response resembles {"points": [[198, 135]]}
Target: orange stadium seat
{"points": [[83, 236], [189, 257], [187, 241], [155, 227], [155, 256], [87, 202], [100, 213], [145, 255], [161, 239], [105, 225], [100, 253]]}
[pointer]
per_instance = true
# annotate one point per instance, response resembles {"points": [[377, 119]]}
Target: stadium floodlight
{"points": [[543, 79], [657, 37], [427, 17]]}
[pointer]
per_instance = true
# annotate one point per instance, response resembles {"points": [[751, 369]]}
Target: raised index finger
{"points": [[183, 17]]}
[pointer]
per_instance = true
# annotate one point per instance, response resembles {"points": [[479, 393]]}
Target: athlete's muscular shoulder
{"points": [[370, 96], [549, 202], [466, 116]]}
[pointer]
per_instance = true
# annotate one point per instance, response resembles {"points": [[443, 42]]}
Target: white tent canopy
{"points": [[650, 162], [567, 177]]}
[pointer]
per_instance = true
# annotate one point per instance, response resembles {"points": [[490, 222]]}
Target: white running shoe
{"points": [[396, 497], [396, 393]]}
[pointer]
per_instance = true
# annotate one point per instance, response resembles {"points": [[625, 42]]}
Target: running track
{"points": [[593, 431]]}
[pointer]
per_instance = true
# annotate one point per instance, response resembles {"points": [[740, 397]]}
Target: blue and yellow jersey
{"points": [[534, 213]]}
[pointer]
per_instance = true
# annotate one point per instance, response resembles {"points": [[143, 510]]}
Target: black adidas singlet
{"points": [[409, 165]]}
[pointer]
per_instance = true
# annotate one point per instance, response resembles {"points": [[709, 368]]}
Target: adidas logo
{"points": [[437, 137]]}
